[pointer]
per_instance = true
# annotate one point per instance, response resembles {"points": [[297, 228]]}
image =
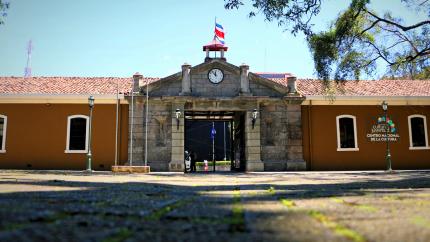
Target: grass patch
{"points": [[238, 216], [271, 190], [14, 226], [391, 198], [50, 218], [121, 235], [158, 213], [337, 200], [335, 227], [367, 208], [288, 203], [420, 221], [363, 207]]}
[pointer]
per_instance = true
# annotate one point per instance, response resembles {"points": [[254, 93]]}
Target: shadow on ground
{"points": [[156, 211]]}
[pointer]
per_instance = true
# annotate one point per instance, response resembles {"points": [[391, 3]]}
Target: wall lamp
{"points": [[89, 154], [254, 117], [177, 115]]}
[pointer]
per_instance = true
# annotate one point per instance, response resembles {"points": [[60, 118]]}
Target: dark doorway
{"points": [[223, 147]]}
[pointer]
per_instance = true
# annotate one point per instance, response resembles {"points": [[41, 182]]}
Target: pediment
{"points": [[229, 87]]}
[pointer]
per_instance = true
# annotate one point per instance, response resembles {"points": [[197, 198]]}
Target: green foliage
{"points": [[324, 50], [3, 7], [341, 46], [292, 14], [357, 39]]}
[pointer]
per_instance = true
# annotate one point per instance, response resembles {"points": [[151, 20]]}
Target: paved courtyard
{"points": [[293, 206]]}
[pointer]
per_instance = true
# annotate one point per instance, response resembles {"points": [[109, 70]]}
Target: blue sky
{"points": [[119, 38]]}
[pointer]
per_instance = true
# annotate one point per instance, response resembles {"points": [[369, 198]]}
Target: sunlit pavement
{"points": [[293, 206]]}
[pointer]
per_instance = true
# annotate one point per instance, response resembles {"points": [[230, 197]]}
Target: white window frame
{"points": [[3, 148], [411, 147], [69, 118], [339, 148]]}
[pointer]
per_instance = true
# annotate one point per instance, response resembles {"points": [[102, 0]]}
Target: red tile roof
{"points": [[310, 87], [108, 85], [66, 85]]}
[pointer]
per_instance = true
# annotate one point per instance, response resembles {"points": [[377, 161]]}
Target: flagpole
{"points": [[213, 145], [225, 153], [215, 36], [146, 123], [116, 123]]}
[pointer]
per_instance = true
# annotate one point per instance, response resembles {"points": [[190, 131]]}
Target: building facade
{"points": [[276, 122]]}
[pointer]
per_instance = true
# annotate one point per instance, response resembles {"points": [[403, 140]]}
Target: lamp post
{"points": [[388, 154], [89, 155]]}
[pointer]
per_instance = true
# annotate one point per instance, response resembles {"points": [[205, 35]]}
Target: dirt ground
{"points": [[289, 206]]}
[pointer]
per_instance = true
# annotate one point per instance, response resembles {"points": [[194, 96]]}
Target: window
{"points": [[346, 133], [3, 124], [418, 132], [77, 134]]}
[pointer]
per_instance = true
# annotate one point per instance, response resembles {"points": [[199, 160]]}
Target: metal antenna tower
{"points": [[27, 70]]}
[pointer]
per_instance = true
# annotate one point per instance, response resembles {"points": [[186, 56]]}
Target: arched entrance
{"points": [[217, 137]]}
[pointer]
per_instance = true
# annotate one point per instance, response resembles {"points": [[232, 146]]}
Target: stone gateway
{"points": [[213, 90]]}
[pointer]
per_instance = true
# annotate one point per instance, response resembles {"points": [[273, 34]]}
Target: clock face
{"points": [[215, 76]]}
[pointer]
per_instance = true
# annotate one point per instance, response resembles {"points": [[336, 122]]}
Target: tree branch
{"points": [[404, 28]]}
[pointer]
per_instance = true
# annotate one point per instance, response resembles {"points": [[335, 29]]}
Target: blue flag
{"points": [[213, 132]]}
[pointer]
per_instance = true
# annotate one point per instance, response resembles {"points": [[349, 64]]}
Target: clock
{"points": [[215, 76]]}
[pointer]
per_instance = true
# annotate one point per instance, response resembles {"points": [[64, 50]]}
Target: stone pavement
{"points": [[293, 206]]}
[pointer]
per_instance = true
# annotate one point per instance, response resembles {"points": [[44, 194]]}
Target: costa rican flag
{"points": [[219, 32]]}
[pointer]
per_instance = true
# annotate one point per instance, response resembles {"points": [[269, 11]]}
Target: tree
{"points": [[357, 38], [3, 7]]}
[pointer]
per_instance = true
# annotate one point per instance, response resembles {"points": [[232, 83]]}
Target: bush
{"points": [[217, 163]]}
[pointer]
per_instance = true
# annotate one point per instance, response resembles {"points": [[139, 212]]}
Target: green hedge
{"points": [[217, 163]]}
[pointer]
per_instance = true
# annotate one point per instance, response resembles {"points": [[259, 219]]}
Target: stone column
{"points": [[137, 152], [294, 147], [186, 79], [137, 77], [244, 80], [177, 157], [252, 144], [291, 82]]}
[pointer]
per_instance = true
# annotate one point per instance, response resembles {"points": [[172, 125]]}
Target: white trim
{"points": [[348, 149], [3, 148], [322, 97], [420, 148], [366, 100], [339, 148], [411, 147], [69, 118], [61, 98]]}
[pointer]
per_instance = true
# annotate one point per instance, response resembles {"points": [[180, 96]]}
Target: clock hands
{"points": [[215, 76]]}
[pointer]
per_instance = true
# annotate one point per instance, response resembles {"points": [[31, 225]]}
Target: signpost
{"points": [[384, 130]]}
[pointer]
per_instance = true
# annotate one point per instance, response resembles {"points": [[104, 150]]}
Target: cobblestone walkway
{"points": [[306, 206]]}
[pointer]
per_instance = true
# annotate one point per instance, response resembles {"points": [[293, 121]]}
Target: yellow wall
{"points": [[36, 135], [320, 141]]}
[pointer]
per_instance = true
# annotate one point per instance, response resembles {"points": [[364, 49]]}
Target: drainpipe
{"points": [[116, 124], [310, 133]]}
